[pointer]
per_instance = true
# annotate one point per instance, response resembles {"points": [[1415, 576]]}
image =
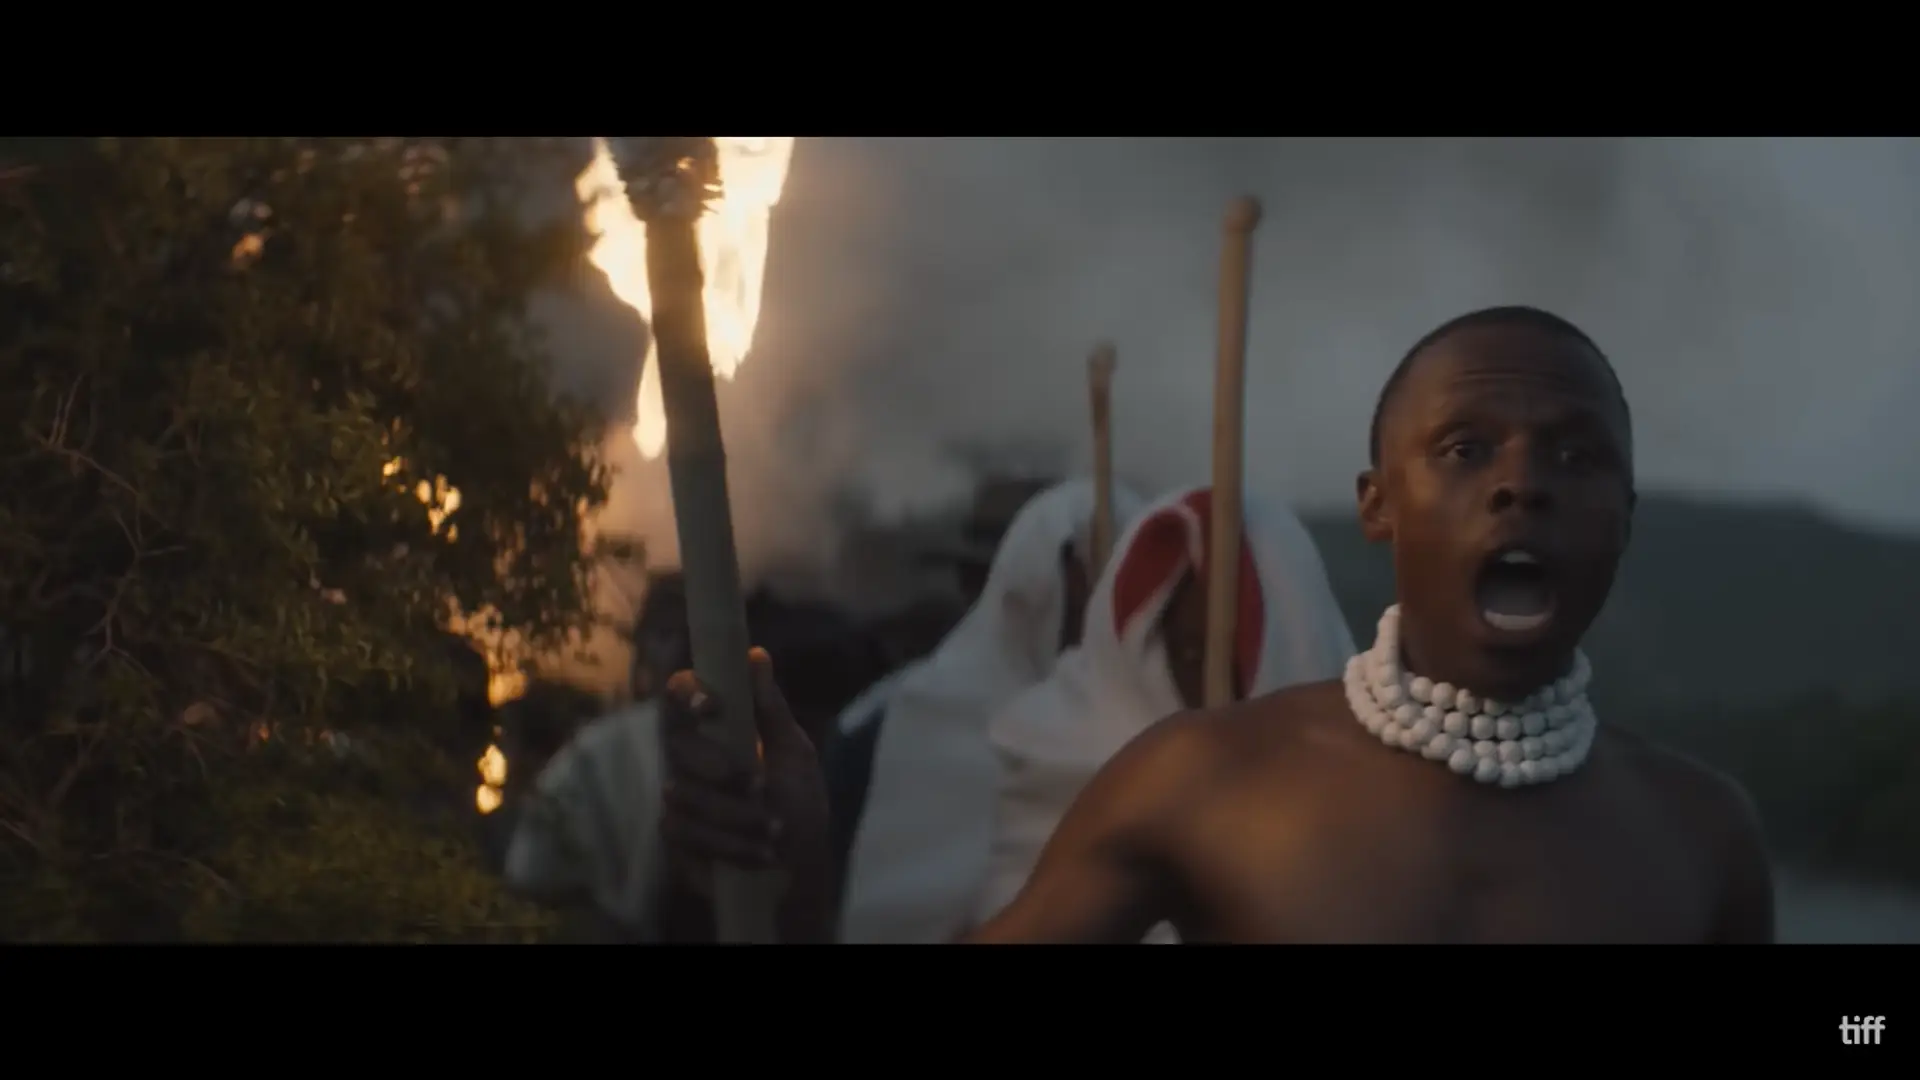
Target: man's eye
{"points": [[1464, 450], [1576, 457]]}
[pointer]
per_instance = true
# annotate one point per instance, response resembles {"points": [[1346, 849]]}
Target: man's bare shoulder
{"points": [[1176, 771], [1719, 818], [1690, 787], [1254, 734], [1287, 718]]}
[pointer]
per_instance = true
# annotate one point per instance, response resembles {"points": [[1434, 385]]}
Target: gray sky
{"points": [[1756, 296]]}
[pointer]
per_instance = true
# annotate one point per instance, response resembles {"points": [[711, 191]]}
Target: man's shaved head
{"points": [[1503, 433], [1514, 315]]}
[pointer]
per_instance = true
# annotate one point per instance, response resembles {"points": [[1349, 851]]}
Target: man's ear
{"points": [[1375, 524]]}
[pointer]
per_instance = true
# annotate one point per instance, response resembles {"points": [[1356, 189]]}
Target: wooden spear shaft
{"points": [[745, 902], [1229, 425], [1100, 367]]}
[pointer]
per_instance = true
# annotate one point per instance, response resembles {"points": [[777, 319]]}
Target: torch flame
{"points": [[733, 256]]}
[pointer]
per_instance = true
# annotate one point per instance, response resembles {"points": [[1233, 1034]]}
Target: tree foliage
{"points": [[231, 372]]}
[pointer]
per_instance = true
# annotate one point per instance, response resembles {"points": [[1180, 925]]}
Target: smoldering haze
{"points": [[928, 295]]}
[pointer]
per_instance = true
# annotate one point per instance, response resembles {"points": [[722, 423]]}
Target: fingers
{"points": [[700, 754], [698, 758], [743, 817], [687, 701], [702, 843], [778, 728], [706, 825]]}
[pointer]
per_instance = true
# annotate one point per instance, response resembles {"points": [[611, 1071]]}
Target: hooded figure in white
{"points": [[920, 853], [1053, 738], [592, 826]]}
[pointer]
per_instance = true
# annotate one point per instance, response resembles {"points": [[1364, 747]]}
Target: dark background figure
{"points": [[661, 641], [996, 502], [913, 631], [829, 658]]}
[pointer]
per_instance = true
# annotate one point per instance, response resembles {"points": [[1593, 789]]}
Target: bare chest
{"points": [[1433, 858]]}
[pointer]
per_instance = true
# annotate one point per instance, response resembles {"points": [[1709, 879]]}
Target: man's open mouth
{"points": [[1515, 591]]}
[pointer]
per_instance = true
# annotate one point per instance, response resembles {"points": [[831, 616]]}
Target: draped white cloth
{"points": [[1054, 737], [592, 825], [920, 854]]}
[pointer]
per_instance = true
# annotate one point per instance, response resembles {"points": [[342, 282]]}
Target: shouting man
{"points": [[1454, 786]]}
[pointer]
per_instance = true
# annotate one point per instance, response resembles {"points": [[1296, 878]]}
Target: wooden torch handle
{"points": [[1100, 367], [745, 902], [1229, 418]]}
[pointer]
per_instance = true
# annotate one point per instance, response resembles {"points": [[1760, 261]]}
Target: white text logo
{"points": [[1861, 1030]]}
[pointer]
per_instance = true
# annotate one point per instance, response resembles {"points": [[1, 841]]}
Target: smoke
{"points": [[1752, 293]]}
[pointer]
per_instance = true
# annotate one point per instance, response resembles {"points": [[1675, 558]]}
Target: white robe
{"points": [[592, 823], [921, 850], [1053, 738]]}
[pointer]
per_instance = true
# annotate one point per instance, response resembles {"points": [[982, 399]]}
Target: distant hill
{"points": [[1719, 603]]}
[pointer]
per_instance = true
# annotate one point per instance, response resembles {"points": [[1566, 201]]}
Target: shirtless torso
{"points": [[1280, 820]]}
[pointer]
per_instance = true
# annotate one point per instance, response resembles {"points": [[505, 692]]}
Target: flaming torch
{"points": [[733, 236], [1229, 423], [690, 243]]}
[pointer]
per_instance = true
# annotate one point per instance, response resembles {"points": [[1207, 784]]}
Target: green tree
{"points": [[230, 370]]}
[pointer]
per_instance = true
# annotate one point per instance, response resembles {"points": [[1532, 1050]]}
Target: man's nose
{"points": [[1520, 483]]}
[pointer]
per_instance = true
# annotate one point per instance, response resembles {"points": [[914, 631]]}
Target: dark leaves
{"points": [[225, 365]]}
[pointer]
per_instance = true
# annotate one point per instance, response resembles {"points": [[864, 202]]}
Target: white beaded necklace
{"points": [[1545, 736]]}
